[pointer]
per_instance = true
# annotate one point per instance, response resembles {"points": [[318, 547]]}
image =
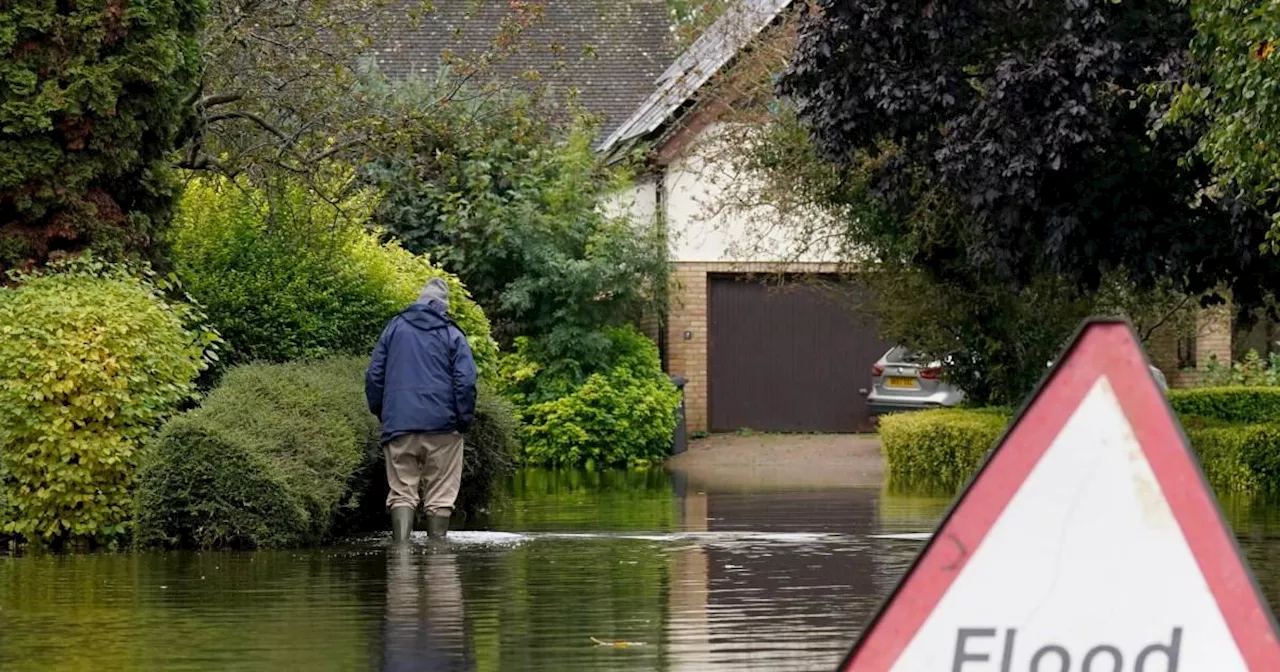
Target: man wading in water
{"points": [[421, 384]]}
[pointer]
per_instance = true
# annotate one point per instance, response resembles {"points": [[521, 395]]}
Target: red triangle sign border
{"points": [[1101, 348]]}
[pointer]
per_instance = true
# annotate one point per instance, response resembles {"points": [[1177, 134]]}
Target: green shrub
{"points": [[287, 277], [1236, 452], [287, 455], [508, 197], [1237, 457], [263, 462], [92, 359], [941, 446], [492, 445], [1228, 404], [622, 416], [1251, 371]]}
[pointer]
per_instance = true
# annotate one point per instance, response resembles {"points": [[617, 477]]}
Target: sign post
{"points": [[1089, 541]]}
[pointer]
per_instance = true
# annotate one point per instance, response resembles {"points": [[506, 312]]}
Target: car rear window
{"points": [[902, 355]]}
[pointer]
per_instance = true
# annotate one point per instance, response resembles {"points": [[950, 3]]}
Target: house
{"points": [[754, 354]]}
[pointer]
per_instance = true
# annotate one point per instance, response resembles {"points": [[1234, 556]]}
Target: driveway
{"points": [[783, 461]]}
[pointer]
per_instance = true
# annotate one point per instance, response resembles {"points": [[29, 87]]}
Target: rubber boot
{"points": [[401, 524], [437, 526]]}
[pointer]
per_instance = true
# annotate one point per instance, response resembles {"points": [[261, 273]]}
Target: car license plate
{"points": [[899, 382]]}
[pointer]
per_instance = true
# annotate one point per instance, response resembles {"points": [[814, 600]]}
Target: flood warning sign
{"points": [[1089, 541]]}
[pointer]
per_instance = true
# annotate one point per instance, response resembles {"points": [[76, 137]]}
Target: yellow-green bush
{"points": [[1237, 404], [945, 446], [1237, 457], [287, 277], [92, 359], [942, 446], [621, 415], [616, 419]]}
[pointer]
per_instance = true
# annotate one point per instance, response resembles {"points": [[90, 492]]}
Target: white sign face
{"points": [[1117, 587], [1088, 542]]}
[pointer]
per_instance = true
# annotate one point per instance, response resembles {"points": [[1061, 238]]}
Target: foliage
{"points": [[287, 455], [92, 359], [1003, 143], [263, 462], [511, 203], [943, 446], [620, 415], [492, 445], [1233, 430], [291, 88], [997, 340], [1240, 457], [1249, 372], [527, 380], [92, 99], [1228, 404], [286, 276], [1234, 89]]}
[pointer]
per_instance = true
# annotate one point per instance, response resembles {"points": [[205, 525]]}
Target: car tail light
{"points": [[877, 371], [931, 373]]}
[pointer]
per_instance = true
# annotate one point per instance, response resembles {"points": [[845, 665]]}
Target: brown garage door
{"points": [[790, 357]]}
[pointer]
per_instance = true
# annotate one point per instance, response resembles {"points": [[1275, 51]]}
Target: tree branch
{"points": [[1176, 309], [263, 123], [218, 99]]}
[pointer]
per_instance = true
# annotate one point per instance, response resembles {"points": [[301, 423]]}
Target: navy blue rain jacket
{"points": [[422, 377]]}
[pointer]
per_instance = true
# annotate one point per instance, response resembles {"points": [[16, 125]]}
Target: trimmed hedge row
{"points": [[1234, 431], [1228, 404], [286, 455], [939, 446]]}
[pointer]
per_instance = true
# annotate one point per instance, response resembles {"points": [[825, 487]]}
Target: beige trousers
{"points": [[433, 458]]}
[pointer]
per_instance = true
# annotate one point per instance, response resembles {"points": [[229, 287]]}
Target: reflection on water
{"points": [[573, 572]]}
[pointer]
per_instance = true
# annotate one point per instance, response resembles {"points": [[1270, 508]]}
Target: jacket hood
{"points": [[426, 316], [435, 290]]}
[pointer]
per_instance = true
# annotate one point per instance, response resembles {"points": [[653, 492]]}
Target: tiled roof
{"points": [[680, 82], [609, 51]]}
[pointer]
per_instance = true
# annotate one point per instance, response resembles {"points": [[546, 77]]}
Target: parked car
{"points": [[903, 381]]}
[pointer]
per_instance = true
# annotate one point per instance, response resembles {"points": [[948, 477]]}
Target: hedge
{"points": [[284, 455], [1237, 449], [1228, 404], [939, 446]]}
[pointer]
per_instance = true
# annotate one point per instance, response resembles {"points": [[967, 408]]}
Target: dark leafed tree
{"points": [[92, 94], [1012, 138]]}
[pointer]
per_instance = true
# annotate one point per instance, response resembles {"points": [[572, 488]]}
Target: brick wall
{"points": [[687, 339], [1162, 350], [687, 326], [1213, 335]]}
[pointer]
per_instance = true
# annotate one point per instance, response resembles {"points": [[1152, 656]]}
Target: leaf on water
{"points": [[616, 644]]}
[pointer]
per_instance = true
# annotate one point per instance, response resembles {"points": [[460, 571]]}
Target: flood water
{"points": [[614, 571]]}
